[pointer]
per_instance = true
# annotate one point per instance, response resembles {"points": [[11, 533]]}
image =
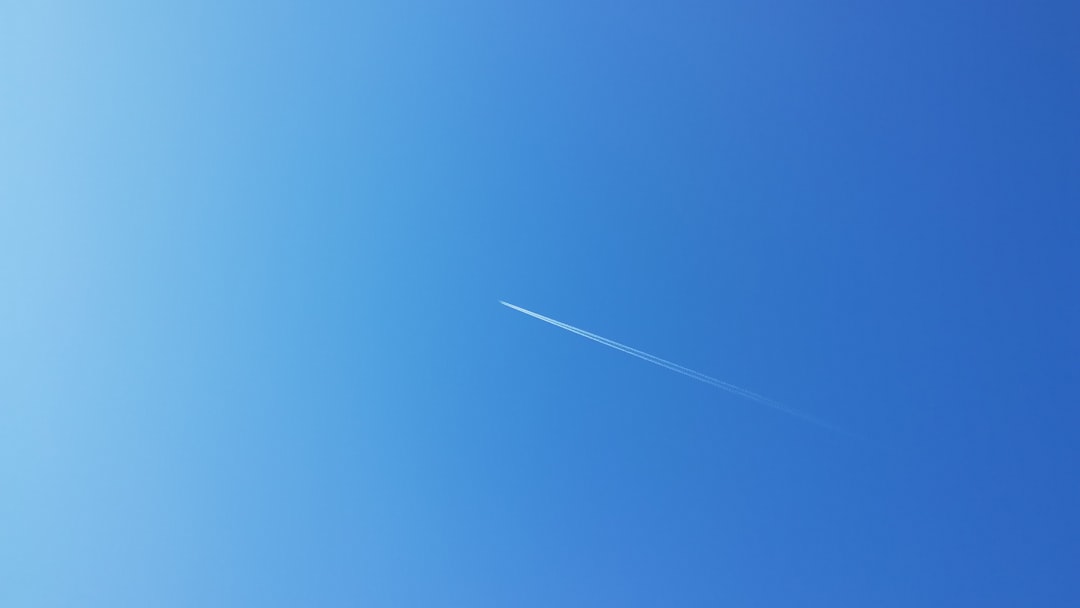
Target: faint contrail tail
{"points": [[675, 367]]}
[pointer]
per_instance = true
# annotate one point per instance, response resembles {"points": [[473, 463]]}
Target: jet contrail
{"points": [[675, 367]]}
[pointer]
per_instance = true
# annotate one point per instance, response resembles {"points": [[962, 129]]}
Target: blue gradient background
{"points": [[251, 352]]}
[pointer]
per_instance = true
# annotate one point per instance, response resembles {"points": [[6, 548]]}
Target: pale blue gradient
{"points": [[251, 352]]}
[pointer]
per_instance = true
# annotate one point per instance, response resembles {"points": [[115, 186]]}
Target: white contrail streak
{"points": [[675, 367]]}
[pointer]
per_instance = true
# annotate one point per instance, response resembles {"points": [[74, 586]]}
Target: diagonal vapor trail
{"points": [[675, 367], [646, 356]]}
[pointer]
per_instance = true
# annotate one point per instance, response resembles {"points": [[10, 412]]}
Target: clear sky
{"points": [[251, 351]]}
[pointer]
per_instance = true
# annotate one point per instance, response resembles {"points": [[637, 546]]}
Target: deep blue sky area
{"points": [[251, 351]]}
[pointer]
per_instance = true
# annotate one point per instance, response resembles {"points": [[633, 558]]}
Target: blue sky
{"points": [[251, 351]]}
